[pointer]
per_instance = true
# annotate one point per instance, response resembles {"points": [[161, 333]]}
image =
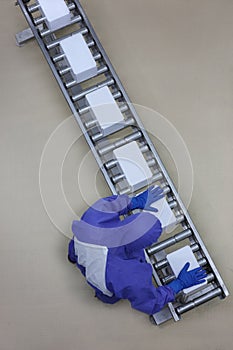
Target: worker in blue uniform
{"points": [[109, 251]]}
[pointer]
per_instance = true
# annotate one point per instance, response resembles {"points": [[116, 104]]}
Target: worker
{"points": [[109, 251]]}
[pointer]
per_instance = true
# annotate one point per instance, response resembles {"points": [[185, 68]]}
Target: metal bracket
{"points": [[24, 36]]}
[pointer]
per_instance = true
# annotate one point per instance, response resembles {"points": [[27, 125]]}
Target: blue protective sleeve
{"points": [[132, 280], [116, 204], [137, 203]]}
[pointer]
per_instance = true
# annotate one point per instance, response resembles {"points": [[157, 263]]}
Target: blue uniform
{"points": [[109, 252]]}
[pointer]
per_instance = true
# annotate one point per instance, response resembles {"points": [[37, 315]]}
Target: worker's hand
{"points": [[145, 199], [187, 278], [153, 195], [193, 277]]}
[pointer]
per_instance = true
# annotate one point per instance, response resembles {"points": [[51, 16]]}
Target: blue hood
{"points": [[101, 225]]}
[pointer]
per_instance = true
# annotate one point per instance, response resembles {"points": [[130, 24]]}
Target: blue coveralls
{"points": [[122, 272]]}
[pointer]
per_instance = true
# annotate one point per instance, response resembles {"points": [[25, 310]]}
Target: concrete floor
{"points": [[174, 57]]}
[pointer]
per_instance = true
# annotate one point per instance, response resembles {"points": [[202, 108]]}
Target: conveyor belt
{"points": [[104, 144]]}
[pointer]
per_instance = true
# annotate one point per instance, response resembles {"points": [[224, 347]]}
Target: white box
{"points": [[105, 110], [133, 165], [178, 259], [164, 214], [79, 57], [56, 12]]}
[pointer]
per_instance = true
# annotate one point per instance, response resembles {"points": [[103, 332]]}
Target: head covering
{"points": [[101, 225]]}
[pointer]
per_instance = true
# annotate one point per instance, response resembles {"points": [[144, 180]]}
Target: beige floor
{"points": [[173, 56]]}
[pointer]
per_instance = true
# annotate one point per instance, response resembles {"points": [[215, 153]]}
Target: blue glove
{"points": [[187, 278], [145, 199]]}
